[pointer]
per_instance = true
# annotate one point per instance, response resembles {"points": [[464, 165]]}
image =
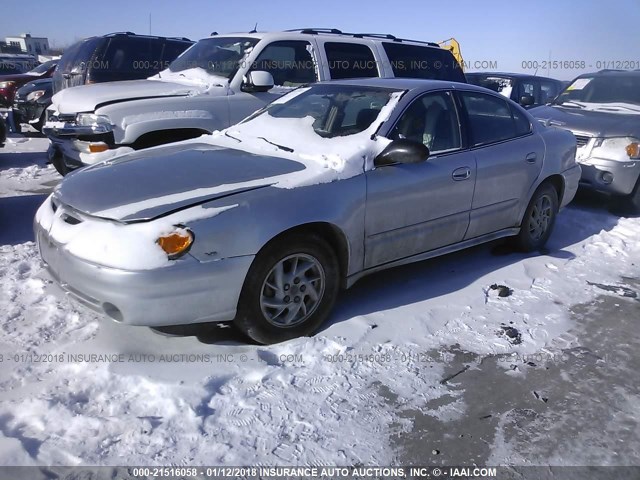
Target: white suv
{"points": [[219, 81]]}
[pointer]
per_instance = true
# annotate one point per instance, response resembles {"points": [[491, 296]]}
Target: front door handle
{"points": [[531, 158], [461, 173]]}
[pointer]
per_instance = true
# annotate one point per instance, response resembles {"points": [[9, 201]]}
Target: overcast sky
{"points": [[513, 35]]}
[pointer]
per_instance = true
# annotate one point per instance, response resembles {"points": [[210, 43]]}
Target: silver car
{"points": [[266, 221], [603, 111]]}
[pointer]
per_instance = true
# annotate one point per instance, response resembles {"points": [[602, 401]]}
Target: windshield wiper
{"points": [[226, 134], [281, 147]]}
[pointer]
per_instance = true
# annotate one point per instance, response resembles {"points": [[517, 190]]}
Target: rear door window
{"points": [[415, 61], [490, 118], [350, 60], [131, 54]]}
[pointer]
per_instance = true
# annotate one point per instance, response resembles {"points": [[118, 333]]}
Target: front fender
{"points": [[262, 214], [134, 118]]}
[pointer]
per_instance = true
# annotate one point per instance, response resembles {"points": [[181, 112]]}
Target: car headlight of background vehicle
{"points": [[98, 123], [6, 84], [617, 148], [176, 243], [35, 95]]}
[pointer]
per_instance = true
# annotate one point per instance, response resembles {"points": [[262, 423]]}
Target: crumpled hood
{"points": [[87, 98], [158, 181], [598, 124]]}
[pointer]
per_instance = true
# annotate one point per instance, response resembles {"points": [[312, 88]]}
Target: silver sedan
{"points": [[266, 221]]}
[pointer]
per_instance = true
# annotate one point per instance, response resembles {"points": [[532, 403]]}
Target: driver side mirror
{"points": [[402, 151], [257, 81], [527, 100]]}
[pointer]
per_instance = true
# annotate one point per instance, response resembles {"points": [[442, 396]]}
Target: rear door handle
{"points": [[531, 158], [461, 173]]}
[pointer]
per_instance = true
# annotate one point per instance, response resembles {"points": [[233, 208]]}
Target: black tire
{"points": [[539, 219], [59, 165], [41, 121], [253, 317]]}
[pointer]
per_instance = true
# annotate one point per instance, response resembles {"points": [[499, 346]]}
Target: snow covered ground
{"points": [[77, 389]]}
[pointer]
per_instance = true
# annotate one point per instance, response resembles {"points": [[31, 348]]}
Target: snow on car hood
{"points": [[154, 182], [282, 152], [86, 98], [597, 123], [170, 185]]}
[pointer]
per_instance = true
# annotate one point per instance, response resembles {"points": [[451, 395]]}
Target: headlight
{"points": [[176, 243], [6, 84], [99, 123], [35, 95], [617, 148]]}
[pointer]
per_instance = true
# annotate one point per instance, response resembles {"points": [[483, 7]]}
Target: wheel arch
{"points": [[331, 233], [161, 137]]}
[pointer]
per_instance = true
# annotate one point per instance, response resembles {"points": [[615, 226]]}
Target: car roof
{"points": [[511, 75], [326, 33], [405, 84]]}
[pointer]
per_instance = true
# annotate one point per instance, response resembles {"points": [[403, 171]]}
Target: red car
{"points": [[13, 81]]}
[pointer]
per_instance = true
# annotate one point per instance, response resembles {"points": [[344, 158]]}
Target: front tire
{"points": [[290, 289], [539, 219]]}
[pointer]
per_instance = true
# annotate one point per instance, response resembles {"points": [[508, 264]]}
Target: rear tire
{"points": [[290, 289], [539, 219]]}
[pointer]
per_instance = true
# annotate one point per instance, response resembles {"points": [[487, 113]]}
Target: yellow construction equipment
{"points": [[453, 46]]}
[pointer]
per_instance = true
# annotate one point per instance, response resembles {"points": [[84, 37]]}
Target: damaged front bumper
{"points": [[188, 291]]}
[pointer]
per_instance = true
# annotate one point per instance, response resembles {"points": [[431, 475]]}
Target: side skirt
{"points": [[472, 242]]}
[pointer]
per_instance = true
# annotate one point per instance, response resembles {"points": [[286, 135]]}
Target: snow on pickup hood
{"points": [[152, 183], [86, 98]]}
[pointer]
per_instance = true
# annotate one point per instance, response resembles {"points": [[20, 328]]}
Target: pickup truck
{"points": [[221, 80]]}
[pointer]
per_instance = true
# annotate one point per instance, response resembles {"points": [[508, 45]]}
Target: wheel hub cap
{"points": [[292, 290]]}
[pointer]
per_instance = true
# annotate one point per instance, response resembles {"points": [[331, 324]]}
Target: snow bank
{"points": [[26, 172]]}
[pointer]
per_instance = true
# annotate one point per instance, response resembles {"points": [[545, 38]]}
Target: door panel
{"points": [[416, 208], [506, 171], [508, 158]]}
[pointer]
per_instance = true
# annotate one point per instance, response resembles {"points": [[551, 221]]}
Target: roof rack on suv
{"points": [[113, 34], [383, 36], [314, 30]]}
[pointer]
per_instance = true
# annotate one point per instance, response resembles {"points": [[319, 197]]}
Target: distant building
{"points": [[28, 44]]}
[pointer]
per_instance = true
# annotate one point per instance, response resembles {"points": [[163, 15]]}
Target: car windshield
{"points": [[217, 56], [40, 69], [336, 110], [621, 89]]}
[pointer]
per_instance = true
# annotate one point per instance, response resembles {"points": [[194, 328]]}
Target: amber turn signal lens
{"points": [[633, 150], [98, 147], [176, 243]]}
